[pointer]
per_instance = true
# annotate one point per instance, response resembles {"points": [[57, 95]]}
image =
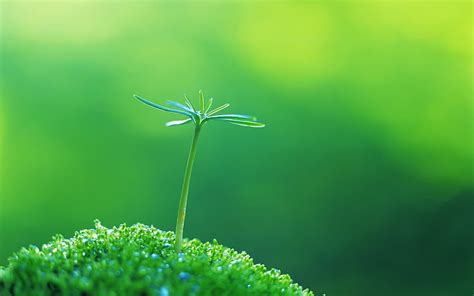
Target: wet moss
{"points": [[138, 260]]}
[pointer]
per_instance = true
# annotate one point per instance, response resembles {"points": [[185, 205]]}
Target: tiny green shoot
{"points": [[198, 116]]}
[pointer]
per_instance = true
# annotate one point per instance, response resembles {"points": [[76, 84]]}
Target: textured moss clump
{"points": [[138, 260]]}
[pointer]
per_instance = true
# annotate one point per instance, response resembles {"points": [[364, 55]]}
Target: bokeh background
{"points": [[361, 184]]}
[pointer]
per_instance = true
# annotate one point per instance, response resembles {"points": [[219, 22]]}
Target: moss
{"points": [[138, 260]]}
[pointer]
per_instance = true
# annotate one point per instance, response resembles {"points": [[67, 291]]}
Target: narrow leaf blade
{"points": [[201, 101], [180, 106], [220, 108], [209, 105], [242, 122], [188, 102], [178, 122], [159, 106], [233, 116]]}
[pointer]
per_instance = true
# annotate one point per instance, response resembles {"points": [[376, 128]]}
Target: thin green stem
{"points": [[185, 190]]}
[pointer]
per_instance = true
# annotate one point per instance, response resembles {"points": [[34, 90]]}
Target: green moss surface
{"points": [[138, 260]]}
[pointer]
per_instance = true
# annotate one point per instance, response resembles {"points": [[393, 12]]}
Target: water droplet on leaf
{"points": [[184, 276], [164, 291], [154, 256]]}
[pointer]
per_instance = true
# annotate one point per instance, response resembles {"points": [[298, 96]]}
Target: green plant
{"points": [[138, 260], [198, 116]]}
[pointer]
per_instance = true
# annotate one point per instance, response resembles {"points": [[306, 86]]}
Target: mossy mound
{"points": [[138, 260]]}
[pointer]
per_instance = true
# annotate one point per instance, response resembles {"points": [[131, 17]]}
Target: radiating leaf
{"points": [[201, 101], [188, 102], [209, 105], [233, 116], [161, 107], [241, 122], [180, 106], [220, 108], [178, 122]]}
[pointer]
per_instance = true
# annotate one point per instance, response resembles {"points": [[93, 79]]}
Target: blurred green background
{"points": [[361, 184]]}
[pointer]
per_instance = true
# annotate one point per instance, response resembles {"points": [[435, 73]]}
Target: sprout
{"points": [[199, 117]]}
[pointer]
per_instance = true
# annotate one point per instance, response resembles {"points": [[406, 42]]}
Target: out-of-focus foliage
{"points": [[361, 184]]}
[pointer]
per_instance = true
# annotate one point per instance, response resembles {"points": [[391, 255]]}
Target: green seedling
{"points": [[140, 259], [199, 117]]}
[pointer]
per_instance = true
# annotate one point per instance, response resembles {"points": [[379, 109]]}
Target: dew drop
{"points": [[184, 276], [154, 256], [164, 291]]}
